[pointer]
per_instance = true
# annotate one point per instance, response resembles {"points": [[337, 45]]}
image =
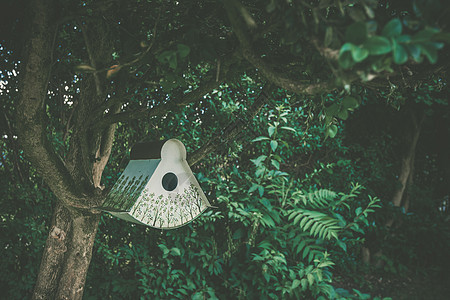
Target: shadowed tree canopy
{"points": [[85, 66]]}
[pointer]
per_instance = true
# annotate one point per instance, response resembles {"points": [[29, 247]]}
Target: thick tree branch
{"points": [[86, 157], [104, 151], [30, 117], [273, 76], [232, 130]]}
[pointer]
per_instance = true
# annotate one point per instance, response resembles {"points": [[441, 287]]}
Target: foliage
{"points": [[24, 212], [252, 245], [290, 207]]}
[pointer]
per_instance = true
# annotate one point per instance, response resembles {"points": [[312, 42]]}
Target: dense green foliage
{"points": [[281, 225], [303, 190]]}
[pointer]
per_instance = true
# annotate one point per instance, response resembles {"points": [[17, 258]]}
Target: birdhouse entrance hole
{"points": [[170, 182]]}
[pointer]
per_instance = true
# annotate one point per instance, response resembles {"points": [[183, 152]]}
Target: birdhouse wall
{"points": [[165, 204], [126, 216], [128, 188]]}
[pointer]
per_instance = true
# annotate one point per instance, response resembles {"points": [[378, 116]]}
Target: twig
{"points": [[132, 62]]}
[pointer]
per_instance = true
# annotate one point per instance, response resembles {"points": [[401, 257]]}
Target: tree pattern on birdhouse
{"points": [[172, 210], [125, 192]]}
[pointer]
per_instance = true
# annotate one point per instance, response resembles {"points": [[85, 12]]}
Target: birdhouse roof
{"points": [[147, 150]]}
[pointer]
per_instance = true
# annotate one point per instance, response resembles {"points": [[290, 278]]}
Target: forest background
{"points": [[319, 130]]}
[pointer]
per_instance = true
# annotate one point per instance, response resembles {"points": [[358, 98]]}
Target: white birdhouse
{"points": [[157, 188]]}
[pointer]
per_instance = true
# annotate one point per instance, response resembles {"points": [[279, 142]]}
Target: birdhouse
{"points": [[157, 188]]}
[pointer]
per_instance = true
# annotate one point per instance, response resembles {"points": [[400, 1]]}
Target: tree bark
{"points": [[67, 255], [78, 257], [401, 196], [407, 166], [53, 256], [68, 250]]}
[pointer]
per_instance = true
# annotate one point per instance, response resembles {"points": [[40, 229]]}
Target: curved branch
{"points": [[95, 70], [30, 116], [273, 76]]}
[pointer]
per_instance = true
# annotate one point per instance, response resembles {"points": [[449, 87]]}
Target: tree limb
{"points": [[30, 115], [92, 59], [104, 151], [273, 76]]}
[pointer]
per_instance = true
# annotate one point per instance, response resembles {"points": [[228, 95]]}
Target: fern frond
{"points": [[316, 223], [306, 247], [318, 199]]}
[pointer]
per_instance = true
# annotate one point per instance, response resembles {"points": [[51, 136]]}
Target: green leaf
{"points": [[261, 190], [259, 160], [164, 56], [288, 128], [164, 249], [359, 54], [332, 131], [400, 54], [346, 47], [430, 52], [424, 35], [343, 114], [332, 110], [342, 245], [356, 33], [404, 39], [183, 50], [346, 60], [266, 276], [392, 28], [260, 138], [378, 45], [349, 102], [271, 130], [273, 145], [276, 164], [173, 62], [304, 283], [442, 37], [295, 284], [415, 51], [175, 251], [253, 188]]}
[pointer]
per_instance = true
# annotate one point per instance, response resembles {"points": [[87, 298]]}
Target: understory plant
{"points": [[271, 234]]}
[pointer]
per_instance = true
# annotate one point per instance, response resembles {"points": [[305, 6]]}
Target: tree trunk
{"points": [[67, 255], [405, 178], [76, 184], [401, 196], [53, 256], [78, 257]]}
